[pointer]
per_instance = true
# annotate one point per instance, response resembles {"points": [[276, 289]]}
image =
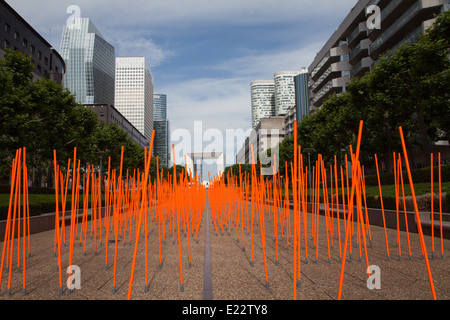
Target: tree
{"points": [[42, 116]]}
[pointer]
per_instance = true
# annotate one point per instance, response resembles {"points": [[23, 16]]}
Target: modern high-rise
{"points": [[90, 63], [356, 45], [284, 91], [159, 106], [263, 100], [161, 144], [134, 93], [161, 126], [301, 95]]}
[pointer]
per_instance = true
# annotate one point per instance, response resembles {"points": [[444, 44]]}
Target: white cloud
{"points": [[133, 27], [129, 44], [116, 14]]}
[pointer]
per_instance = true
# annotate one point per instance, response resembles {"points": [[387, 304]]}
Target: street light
{"points": [[101, 153]]}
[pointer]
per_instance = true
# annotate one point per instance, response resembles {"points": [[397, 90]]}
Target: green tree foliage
{"points": [[408, 87], [42, 116]]}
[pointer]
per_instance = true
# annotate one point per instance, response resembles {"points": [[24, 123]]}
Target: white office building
{"points": [[263, 100], [284, 91], [134, 93]]}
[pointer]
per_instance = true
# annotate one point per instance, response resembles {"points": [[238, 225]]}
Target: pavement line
{"points": [[207, 273]]}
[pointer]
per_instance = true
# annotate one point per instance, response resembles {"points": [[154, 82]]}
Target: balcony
{"points": [[388, 14], [360, 51], [332, 56], [420, 10], [335, 85], [333, 71], [361, 67], [357, 35]]}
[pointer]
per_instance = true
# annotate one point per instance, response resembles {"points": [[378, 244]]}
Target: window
{"points": [[33, 49], [7, 28], [46, 61], [39, 55], [25, 42], [7, 44], [16, 35]]}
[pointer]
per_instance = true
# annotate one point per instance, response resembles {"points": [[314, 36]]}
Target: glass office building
{"points": [[161, 126], [161, 145], [301, 94], [90, 63], [159, 106], [134, 93]]}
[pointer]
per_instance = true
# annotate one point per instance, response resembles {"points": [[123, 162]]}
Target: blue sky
{"points": [[203, 53]]}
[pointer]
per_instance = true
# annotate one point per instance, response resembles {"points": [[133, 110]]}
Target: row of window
{"points": [[24, 43]]}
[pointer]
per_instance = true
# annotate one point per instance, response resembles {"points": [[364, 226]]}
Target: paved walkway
{"points": [[221, 269]]}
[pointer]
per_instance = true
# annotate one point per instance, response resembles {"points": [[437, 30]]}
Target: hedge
{"points": [[37, 206], [418, 175], [31, 190]]}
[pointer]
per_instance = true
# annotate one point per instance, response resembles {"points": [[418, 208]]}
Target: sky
{"points": [[203, 53]]}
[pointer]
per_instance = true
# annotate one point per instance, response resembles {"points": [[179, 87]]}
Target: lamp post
{"points": [[101, 153]]}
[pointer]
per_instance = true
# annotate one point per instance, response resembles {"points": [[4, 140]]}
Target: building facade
{"points": [[301, 95], [134, 93], [159, 106], [263, 100], [17, 34], [161, 144], [161, 125], [90, 63], [284, 91], [356, 45], [108, 115], [267, 135]]}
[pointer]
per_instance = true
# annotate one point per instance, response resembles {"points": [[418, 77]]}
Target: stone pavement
{"points": [[231, 275]]}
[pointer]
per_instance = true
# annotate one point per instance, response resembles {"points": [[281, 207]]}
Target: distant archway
{"points": [[194, 162]]}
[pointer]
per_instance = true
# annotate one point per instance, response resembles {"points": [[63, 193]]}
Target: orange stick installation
{"points": [[350, 206], [396, 185], [175, 193], [416, 211], [117, 198], [294, 196], [382, 208], [337, 206], [432, 210], [8, 221], [141, 212], [440, 206], [16, 204], [404, 203]]}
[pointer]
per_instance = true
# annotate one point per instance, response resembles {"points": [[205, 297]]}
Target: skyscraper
{"points": [[134, 93], [161, 144], [301, 94], [161, 125], [263, 100], [284, 91], [90, 63], [159, 106]]}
